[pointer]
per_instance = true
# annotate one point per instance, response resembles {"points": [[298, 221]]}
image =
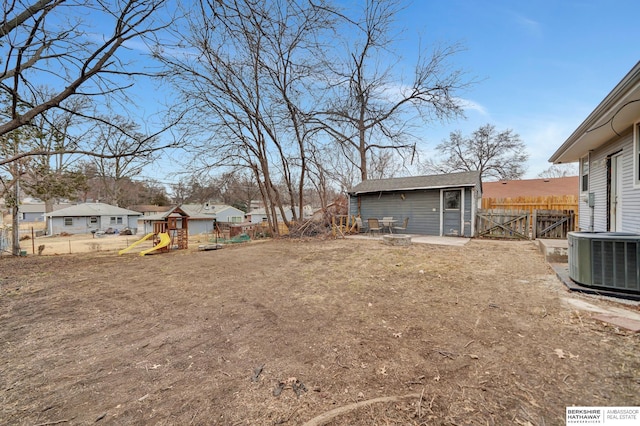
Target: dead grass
{"points": [[376, 334]]}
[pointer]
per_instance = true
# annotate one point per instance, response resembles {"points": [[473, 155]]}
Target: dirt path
{"points": [[472, 335]]}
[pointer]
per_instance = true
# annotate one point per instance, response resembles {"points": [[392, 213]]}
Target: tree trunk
{"points": [[15, 225]]}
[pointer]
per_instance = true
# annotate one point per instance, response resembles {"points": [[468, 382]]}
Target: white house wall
{"points": [[630, 197], [229, 214]]}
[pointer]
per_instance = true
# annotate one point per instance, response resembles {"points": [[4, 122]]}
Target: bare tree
{"points": [[53, 41], [371, 106], [13, 172], [560, 171], [54, 174], [195, 189], [495, 154], [115, 167], [245, 78]]}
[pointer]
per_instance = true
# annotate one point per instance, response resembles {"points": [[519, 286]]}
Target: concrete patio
{"points": [[418, 239]]}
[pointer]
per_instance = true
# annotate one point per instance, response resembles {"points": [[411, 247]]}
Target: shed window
{"points": [[452, 200], [68, 221], [584, 174]]}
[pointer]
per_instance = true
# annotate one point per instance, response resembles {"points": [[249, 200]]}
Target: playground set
{"points": [[169, 232]]}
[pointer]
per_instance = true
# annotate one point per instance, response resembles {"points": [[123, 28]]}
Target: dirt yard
{"points": [[339, 332], [84, 243]]}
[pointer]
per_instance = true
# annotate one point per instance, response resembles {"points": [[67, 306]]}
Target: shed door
{"points": [[452, 212]]}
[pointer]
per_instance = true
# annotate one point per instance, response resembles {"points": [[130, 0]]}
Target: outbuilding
{"points": [[441, 205]]}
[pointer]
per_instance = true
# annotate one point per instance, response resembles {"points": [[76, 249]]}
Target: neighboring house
{"points": [[201, 217], [35, 212], [149, 209], [546, 187], [607, 147], [90, 217], [260, 215], [435, 205]]}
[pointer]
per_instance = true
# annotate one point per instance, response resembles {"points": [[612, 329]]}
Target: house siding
{"points": [[82, 224], [630, 193], [32, 217], [630, 197], [200, 226], [228, 215]]}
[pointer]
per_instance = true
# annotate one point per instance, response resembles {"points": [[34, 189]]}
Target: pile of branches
{"points": [[319, 225], [309, 228]]}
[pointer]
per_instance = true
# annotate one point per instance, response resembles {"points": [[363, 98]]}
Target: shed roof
{"points": [[448, 180], [173, 211], [530, 187], [93, 209]]}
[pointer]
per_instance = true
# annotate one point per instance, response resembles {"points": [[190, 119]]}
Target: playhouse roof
{"points": [[172, 211]]}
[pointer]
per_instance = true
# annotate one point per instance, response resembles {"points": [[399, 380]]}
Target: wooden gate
{"points": [[553, 223], [524, 225], [503, 224]]}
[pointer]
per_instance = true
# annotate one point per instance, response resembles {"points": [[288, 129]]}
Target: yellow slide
{"points": [[165, 240], [146, 237]]}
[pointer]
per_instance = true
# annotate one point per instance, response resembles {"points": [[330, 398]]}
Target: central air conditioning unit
{"points": [[608, 260]]}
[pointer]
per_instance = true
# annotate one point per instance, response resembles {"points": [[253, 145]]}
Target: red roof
{"points": [[531, 187]]}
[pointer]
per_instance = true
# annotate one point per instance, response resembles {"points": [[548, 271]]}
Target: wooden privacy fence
{"points": [[513, 224], [531, 204]]}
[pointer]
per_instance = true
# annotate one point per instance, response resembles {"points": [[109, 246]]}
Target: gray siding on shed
{"points": [[418, 198], [422, 207], [630, 197]]}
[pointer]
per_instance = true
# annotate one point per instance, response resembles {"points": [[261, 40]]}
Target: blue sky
{"points": [[541, 66]]}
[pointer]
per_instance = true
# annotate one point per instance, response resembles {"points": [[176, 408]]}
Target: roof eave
{"points": [[609, 119]]}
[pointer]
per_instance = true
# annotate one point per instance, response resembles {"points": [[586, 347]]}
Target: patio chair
{"points": [[361, 226], [402, 227], [374, 226]]}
